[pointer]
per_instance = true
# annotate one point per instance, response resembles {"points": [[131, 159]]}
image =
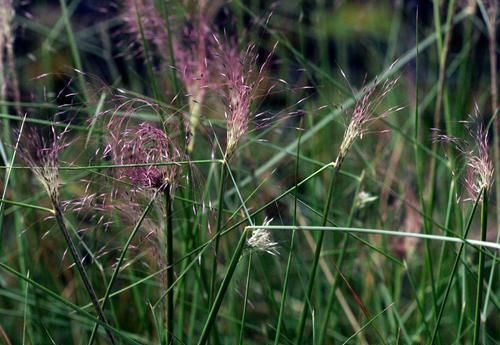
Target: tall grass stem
{"points": [[222, 290], [480, 276], [79, 265]]}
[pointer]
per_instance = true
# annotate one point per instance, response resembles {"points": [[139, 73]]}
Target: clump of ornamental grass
{"points": [[146, 159], [41, 154]]}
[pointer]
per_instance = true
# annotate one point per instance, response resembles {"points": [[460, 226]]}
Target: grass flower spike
{"points": [[142, 145], [479, 175], [479, 170], [193, 58], [241, 81], [363, 114], [143, 22], [478, 183], [42, 156]]}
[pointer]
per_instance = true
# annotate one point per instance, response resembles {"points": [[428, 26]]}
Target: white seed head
{"points": [[262, 240], [364, 198]]}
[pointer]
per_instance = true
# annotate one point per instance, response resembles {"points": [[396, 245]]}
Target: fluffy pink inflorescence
{"points": [[363, 114], [479, 167], [479, 175], [42, 156], [194, 65], [192, 55], [143, 21], [241, 79], [191, 41], [151, 150]]}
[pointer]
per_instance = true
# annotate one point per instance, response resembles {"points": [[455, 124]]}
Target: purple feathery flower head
{"points": [[194, 64], [143, 145], [148, 153], [143, 21], [42, 156], [192, 55], [241, 80], [479, 175], [363, 114], [479, 167]]}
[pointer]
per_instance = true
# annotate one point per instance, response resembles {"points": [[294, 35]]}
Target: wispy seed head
{"points": [[42, 156], [363, 114], [479, 167], [479, 175], [241, 79], [152, 150], [144, 23], [364, 198], [193, 55]]}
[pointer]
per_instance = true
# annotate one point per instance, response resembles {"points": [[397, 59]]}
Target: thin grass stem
{"points": [[170, 267], [222, 290], [290, 253], [480, 276], [120, 262], [317, 253], [454, 269], [245, 300], [79, 264], [463, 241], [220, 206], [340, 260]]}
